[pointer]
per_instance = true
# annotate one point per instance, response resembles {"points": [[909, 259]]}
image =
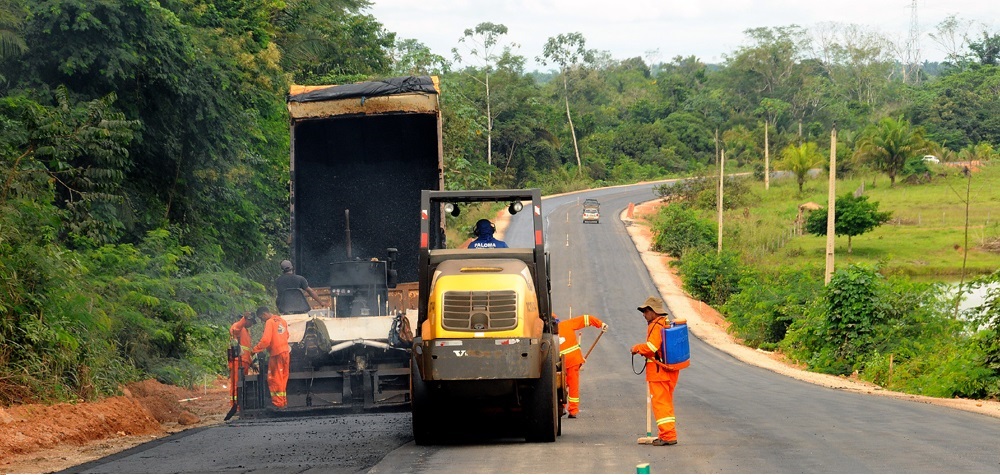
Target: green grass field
{"points": [[925, 237]]}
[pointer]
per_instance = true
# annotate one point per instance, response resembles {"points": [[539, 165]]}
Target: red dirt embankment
{"points": [[38, 438]]}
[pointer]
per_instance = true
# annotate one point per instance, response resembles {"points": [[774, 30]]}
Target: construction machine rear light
{"points": [[423, 240], [538, 238]]}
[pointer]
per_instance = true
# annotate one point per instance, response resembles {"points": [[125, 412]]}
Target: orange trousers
{"points": [[573, 381], [663, 406], [277, 379], [234, 377]]}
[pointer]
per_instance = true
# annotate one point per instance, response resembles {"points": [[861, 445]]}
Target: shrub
{"points": [[768, 304], [854, 308], [702, 192], [676, 229], [711, 277]]}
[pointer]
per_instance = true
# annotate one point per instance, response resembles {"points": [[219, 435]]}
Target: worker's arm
{"points": [[590, 320], [312, 293], [265, 339], [649, 348], [234, 331]]}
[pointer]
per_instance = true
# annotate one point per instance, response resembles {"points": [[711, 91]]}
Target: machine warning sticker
{"points": [[448, 343], [508, 341]]}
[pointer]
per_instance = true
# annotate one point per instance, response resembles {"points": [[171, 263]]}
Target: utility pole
{"points": [[831, 202], [767, 160], [722, 166]]}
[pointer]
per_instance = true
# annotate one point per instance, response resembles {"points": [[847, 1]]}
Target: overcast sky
{"points": [[629, 28]]}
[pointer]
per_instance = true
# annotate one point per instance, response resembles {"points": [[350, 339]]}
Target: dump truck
{"points": [[360, 156], [486, 341]]}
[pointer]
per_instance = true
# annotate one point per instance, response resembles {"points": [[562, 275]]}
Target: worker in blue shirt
{"points": [[484, 236]]}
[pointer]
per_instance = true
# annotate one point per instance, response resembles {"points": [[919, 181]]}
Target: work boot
{"points": [[572, 416], [661, 442]]}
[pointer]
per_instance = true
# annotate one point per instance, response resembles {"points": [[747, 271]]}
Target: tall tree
{"points": [[412, 58], [950, 34], [567, 50], [799, 159], [483, 45], [858, 62], [769, 62], [889, 144], [202, 92], [331, 41], [986, 51]]}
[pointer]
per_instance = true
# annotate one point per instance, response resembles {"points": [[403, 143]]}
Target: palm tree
{"points": [[799, 160], [889, 144], [11, 18]]}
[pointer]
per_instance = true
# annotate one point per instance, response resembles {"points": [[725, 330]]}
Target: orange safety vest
{"points": [[275, 338], [569, 347]]}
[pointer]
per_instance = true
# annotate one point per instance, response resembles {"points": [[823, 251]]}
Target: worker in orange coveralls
{"points": [[569, 348], [240, 334], [661, 380], [275, 341]]}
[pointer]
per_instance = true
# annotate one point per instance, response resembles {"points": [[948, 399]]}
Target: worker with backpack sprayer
{"points": [[660, 376]]}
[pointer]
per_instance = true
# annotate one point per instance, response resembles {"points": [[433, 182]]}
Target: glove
{"points": [[635, 349], [604, 327]]}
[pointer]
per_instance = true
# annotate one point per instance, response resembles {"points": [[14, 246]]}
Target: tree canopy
{"points": [[853, 216]]}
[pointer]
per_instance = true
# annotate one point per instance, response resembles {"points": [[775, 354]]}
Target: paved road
{"points": [[731, 417]]}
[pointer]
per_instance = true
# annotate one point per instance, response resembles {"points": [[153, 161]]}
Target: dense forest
{"points": [[144, 149]]}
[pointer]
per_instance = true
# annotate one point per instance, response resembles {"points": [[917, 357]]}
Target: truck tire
{"points": [[424, 408], [541, 411]]}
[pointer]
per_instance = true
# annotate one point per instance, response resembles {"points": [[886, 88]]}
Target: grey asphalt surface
{"points": [[731, 417]]}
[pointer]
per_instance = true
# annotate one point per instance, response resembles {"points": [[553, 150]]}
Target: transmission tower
{"points": [[911, 70]]}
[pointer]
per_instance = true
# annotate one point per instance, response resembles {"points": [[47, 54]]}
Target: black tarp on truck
{"points": [[360, 156]]}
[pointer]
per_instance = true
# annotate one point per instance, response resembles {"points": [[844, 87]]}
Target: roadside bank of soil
{"points": [[39, 438]]}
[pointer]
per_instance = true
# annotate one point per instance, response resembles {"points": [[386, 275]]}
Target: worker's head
{"points": [[484, 228], [286, 266], [263, 313], [251, 318], [652, 308]]}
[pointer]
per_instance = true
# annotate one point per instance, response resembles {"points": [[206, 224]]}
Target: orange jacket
{"points": [[275, 338], [568, 345], [241, 335], [651, 350]]}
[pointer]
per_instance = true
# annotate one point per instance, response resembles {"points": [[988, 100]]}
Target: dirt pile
{"points": [[43, 438]]}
